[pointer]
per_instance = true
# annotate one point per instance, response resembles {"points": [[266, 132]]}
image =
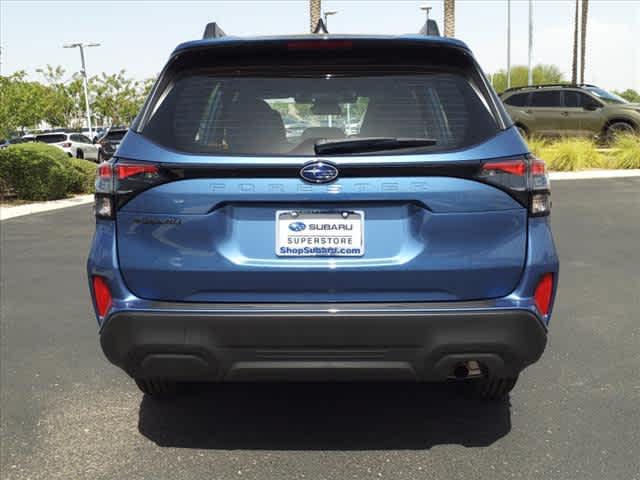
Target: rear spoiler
{"points": [[430, 28], [213, 30]]}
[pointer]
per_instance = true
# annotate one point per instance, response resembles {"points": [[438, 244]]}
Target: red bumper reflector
{"points": [[102, 296], [542, 295]]}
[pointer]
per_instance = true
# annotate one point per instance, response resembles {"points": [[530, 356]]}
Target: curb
{"points": [[38, 207], [595, 173]]}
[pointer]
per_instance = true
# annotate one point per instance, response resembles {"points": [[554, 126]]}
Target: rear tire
{"points": [[619, 128], [491, 388], [80, 154], [157, 388]]}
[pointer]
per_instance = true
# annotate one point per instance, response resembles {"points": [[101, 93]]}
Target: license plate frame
{"points": [[319, 233]]}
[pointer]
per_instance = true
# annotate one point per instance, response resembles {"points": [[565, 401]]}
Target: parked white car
{"points": [[74, 144]]}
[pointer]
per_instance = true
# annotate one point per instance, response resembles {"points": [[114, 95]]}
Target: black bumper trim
{"points": [[320, 342]]}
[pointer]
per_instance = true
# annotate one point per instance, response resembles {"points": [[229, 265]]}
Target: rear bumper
{"points": [[327, 342]]}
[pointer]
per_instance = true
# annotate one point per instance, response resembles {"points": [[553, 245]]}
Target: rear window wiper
{"points": [[369, 144]]}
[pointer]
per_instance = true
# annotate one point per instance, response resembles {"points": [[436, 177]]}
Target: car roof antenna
{"points": [[320, 27], [430, 28], [213, 30]]}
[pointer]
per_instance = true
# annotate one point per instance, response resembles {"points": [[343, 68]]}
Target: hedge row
{"points": [[35, 171], [571, 154]]}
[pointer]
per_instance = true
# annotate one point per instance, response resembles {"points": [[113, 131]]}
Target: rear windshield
{"points": [[115, 136], [201, 112], [54, 138]]}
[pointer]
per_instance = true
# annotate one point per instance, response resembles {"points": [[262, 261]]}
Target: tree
{"points": [[630, 95], [574, 63], [519, 73], [449, 18], [315, 8], [117, 98], [22, 103], [64, 105], [583, 38]]}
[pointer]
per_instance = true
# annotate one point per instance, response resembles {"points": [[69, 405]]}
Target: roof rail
{"points": [[213, 30], [430, 28], [545, 85]]}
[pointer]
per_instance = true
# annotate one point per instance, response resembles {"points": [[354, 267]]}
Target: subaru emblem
{"points": [[297, 226], [319, 172]]}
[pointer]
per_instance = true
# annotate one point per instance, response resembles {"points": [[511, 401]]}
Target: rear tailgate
{"points": [[427, 238], [232, 196]]}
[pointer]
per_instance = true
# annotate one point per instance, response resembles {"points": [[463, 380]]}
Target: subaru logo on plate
{"points": [[297, 226], [319, 172]]}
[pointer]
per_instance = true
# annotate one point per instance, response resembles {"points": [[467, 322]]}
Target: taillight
{"points": [[125, 170], [543, 294], [524, 178], [66, 145], [118, 182], [101, 295], [510, 167]]}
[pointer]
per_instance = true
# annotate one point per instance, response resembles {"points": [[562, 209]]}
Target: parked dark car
{"points": [[109, 143], [15, 141]]}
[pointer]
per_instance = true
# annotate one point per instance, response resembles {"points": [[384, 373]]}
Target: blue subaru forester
{"points": [[323, 208]]}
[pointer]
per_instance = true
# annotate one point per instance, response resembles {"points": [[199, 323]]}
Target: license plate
{"points": [[319, 234]]}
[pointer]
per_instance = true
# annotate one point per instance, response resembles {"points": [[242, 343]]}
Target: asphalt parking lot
{"points": [[67, 414]]}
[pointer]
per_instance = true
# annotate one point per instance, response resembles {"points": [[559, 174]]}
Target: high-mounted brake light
{"points": [[543, 293], [320, 45], [102, 296]]}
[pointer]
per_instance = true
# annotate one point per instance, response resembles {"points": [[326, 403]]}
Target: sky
{"points": [[138, 35]]}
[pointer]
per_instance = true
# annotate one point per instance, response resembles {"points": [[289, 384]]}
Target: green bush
{"points": [[36, 171], [626, 151], [87, 178], [571, 154], [537, 145]]}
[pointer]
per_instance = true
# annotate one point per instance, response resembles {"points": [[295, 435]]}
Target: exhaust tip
{"points": [[461, 371], [468, 369]]}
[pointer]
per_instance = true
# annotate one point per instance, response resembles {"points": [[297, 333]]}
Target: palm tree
{"points": [[574, 65], [449, 18], [583, 38], [315, 8]]}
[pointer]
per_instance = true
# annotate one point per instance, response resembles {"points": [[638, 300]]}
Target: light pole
{"points": [[427, 10], [85, 83], [508, 43], [530, 73], [326, 18]]}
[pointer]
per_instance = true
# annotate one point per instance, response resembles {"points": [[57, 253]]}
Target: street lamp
{"points": [[530, 69], [427, 10], [326, 16], [508, 43], [82, 46]]}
